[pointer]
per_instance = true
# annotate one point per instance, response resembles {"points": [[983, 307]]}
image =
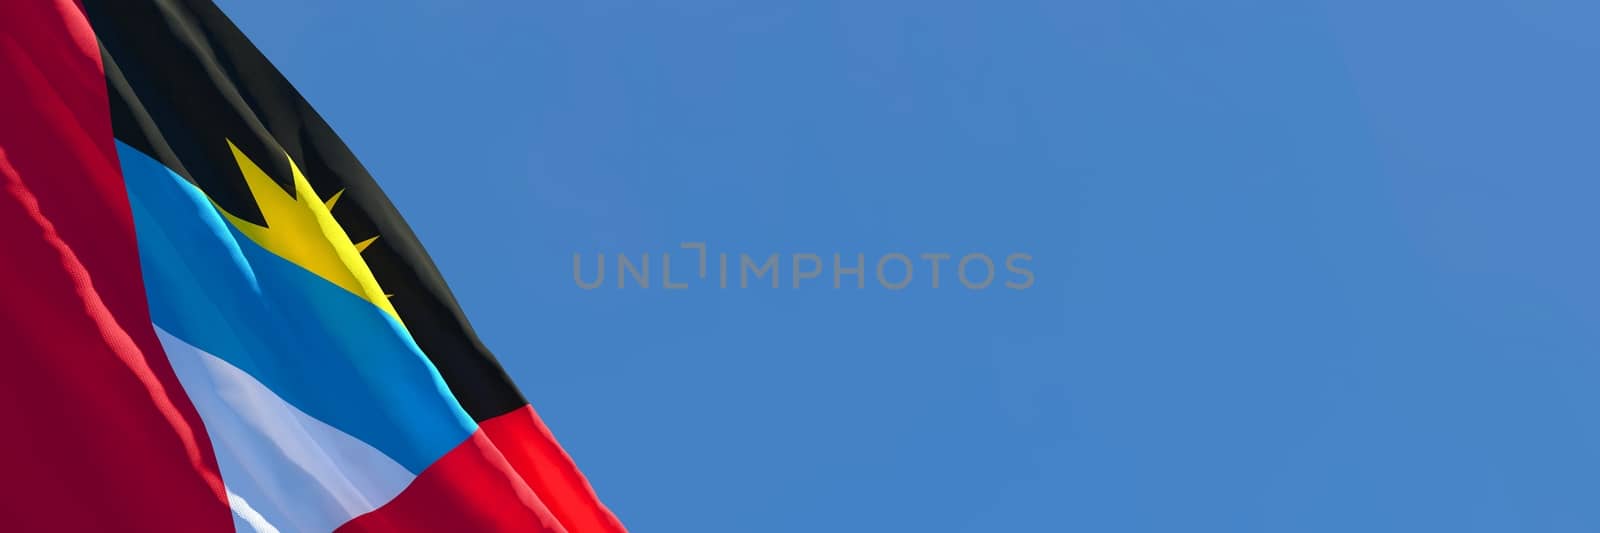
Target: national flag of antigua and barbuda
{"points": [[211, 319]]}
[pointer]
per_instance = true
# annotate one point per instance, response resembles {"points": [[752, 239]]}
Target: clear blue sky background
{"points": [[1320, 266]]}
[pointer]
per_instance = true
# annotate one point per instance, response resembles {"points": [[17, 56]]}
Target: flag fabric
{"points": [[212, 317]]}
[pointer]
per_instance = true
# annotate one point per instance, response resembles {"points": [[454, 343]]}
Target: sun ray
{"points": [[334, 199]]}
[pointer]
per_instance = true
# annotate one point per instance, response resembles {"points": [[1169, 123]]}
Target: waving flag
{"points": [[212, 319]]}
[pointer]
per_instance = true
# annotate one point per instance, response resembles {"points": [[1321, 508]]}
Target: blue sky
{"points": [[1300, 266]]}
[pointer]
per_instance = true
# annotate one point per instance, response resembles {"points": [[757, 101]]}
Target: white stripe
{"points": [[245, 518], [282, 468]]}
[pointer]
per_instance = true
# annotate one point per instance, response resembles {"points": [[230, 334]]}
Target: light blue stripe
{"points": [[324, 350]]}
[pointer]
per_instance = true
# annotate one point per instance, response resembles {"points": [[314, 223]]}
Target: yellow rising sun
{"points": [[301, 229]]}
